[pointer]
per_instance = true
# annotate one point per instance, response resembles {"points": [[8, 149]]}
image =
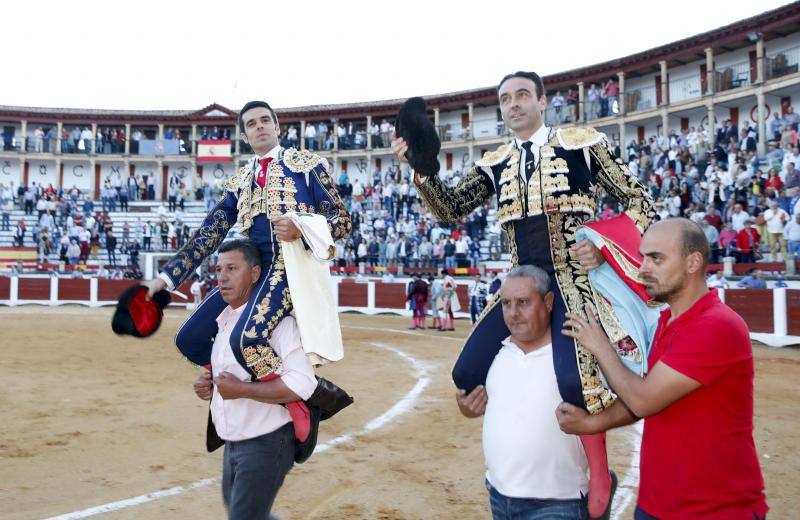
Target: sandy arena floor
{"points": [[90, 419]]}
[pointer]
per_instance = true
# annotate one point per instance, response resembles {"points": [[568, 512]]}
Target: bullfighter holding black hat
{"points": [[547, 182]]}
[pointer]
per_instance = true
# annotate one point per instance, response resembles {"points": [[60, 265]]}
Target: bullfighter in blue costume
{"points": [[272, 183]]}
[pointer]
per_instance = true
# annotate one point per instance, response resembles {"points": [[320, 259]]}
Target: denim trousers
{"points": [[508, 508], [253, 471]]}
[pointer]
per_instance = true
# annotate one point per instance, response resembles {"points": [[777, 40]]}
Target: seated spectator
{"points": [[754, 280], [717, 281]]}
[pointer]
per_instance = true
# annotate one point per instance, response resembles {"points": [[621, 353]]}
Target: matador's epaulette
{"points": [[575, 138], [237, 180], [496, 156], [302, 161]]}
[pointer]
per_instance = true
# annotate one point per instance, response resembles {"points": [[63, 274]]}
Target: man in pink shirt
{"points": [[250, 416]]}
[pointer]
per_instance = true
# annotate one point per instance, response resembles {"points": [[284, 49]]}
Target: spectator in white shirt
{"points": [[739, 217], [196, 289], [790, 157], [776, 220], [673, 202], [249, 416], [533, 469], [310, 135], [717, 281]]}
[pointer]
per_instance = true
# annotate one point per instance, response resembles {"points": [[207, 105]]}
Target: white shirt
{"points": [[792, 231], [738, 219], [240, 419], [776, 220], [714, 282], [539, 139], [527, 455], [790, 158], [196, 287]]}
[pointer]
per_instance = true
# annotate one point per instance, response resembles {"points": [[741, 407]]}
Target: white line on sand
{"points": [[398, 409], [409, 332], [625, 491]]}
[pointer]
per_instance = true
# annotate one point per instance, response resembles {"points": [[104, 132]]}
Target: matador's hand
{"points": [[399, 148], [153, 286], [285, 229], [587, 254]]}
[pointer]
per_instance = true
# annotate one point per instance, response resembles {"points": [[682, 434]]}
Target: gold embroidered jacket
{"points": [[542, 215], [297, 181]]}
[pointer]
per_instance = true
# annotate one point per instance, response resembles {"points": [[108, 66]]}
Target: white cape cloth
{"points": [[311, 287]]}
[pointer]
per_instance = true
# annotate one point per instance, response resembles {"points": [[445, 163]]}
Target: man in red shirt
{"points": [[747, 242], [713, 218], [698, 457]]}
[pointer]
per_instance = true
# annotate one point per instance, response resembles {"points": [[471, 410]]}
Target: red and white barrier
{"points": [[773, 315]]}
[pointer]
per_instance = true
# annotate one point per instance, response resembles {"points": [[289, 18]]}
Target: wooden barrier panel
{"points": [[109, 290], [390, 295], [74, 289], [5, 288], [755, 306], [34, 288], [463, 297], [352, 294], [793, 311]]}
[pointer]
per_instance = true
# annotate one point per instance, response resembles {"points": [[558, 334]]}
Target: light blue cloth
{"points": [[638, 320]]}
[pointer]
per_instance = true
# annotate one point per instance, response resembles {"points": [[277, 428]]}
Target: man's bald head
{"points": [[689, 233], [674, 259]]}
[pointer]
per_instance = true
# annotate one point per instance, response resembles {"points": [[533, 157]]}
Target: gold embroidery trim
{"points": [[511, 233], [573, 282], [578, 137], [497, 156], [616, 179], [449, 205]]}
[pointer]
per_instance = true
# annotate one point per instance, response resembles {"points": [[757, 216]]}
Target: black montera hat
{"points": [[137, 316], [416, 128]]}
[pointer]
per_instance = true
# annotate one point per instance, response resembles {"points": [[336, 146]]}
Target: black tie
{"points": [[530, 160]]}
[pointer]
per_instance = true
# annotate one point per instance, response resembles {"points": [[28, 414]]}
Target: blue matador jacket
{"points": [[540, 217], [297, 181]]}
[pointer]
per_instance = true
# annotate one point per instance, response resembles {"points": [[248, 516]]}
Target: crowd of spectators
{"points": [[350, 135], [106, 140], [392, 227], [600, 100], [748, 205], [69, 228]]}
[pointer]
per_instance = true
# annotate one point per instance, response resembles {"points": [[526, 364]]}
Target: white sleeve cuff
{"points": [[168, 280]]}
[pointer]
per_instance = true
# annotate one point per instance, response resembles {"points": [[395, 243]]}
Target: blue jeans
{"points": [[253, 471], [794, 247], [507, 508], [449, 262]]}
